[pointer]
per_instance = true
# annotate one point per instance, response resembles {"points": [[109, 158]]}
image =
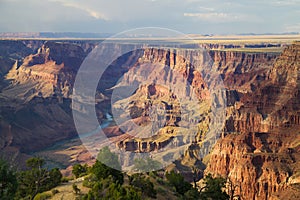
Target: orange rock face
{"points": [[259, 150], [260, 153]]}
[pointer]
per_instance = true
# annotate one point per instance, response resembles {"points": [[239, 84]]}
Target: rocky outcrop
{"points": [[36, 103], [184, 72], [240, 72], [286, 68], [243, 71], [261, 151], [260, 164], [51, 71], [143, 146], [170, 79], [156, 105], [11, 51]]}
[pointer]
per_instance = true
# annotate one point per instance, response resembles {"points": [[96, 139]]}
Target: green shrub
{"points": [[80, 170], [54, 191], [214, 188], [176, 180], [42, 196], [8, 181], [76, 190], [37, 178], [65, 179], [89, 181], [153, 174], [161, 190], [101, 171], [161, 181], [144, 184]]}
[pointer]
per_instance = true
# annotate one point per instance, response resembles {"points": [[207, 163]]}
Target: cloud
{"points": [[91, 12], [206, 8], [216, 17], [287, 2]]}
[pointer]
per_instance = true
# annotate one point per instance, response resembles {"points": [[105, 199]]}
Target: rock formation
{"points": [[35, 99], [260, 153], [259, 149]]}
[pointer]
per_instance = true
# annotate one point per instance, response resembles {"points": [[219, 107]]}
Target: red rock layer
{"points": [[260, 154]]}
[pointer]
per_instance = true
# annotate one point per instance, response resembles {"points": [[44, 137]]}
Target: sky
{"points": [[187, 16]]}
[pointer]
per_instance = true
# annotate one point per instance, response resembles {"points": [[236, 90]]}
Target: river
{"points": [[60, 144]]}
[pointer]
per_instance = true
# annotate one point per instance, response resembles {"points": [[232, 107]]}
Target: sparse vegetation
{"points": [[80, 170], [54, 191], [42, 196], [176, 180], [214, 188], [36, 179], [8, 181], [104, 182], [75, 189], [144, 184], [146, 164], [65, 179]]}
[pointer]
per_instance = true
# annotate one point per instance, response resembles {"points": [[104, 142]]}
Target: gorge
{"points": [[257, 146]]}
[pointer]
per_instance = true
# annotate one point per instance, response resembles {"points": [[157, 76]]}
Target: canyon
{"points": [[246, 129]]}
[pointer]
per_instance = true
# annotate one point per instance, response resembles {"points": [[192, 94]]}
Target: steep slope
{"points": [[49, 72], [10, 52], [259, 149], [35, 107], [242, 73], [262, 157]]}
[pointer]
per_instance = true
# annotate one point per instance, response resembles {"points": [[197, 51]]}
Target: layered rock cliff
{"points": [[260, 154], [35, 101], [240, 72], [259, 149], [243, 71], [51, 71], [171, 80]]}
